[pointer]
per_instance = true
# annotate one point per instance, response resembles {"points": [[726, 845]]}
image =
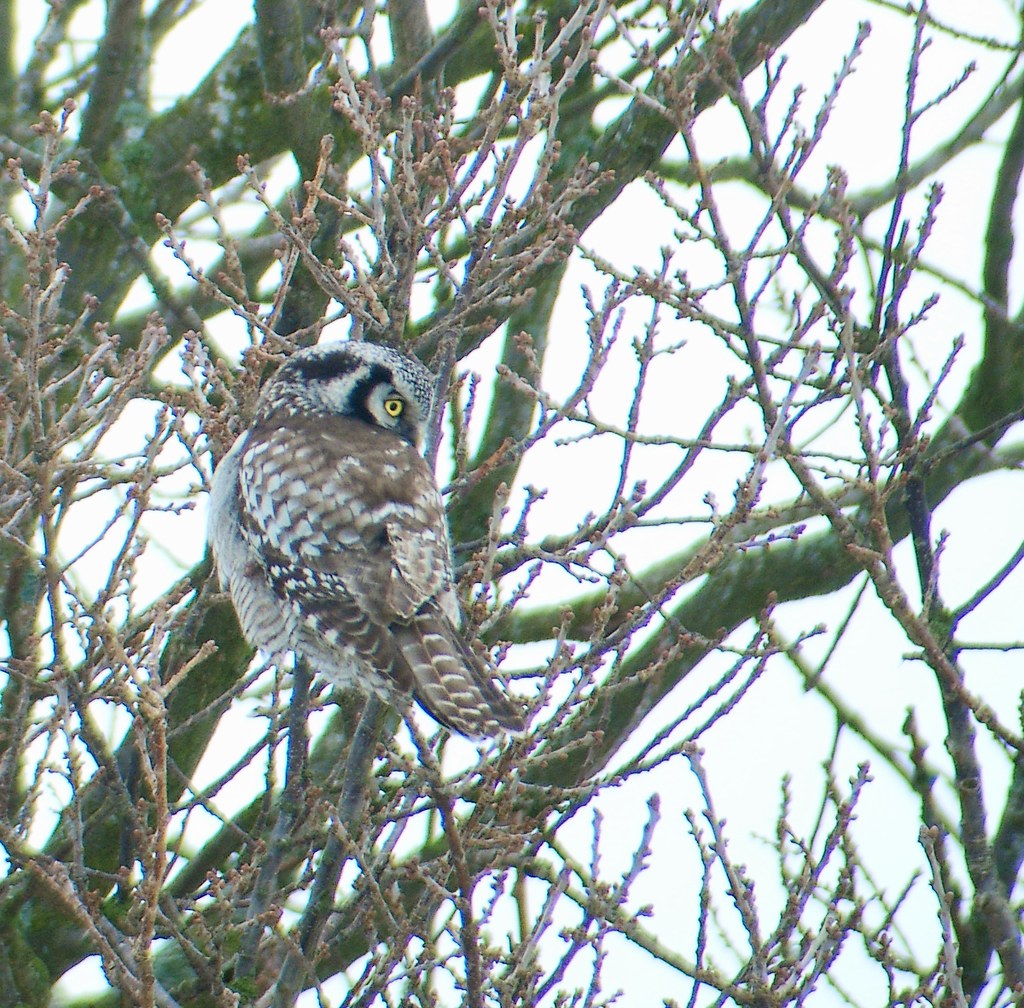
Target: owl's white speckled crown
{"points": [[327, 378]]}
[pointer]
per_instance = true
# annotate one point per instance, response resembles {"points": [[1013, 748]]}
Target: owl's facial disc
{"points": [[393, 411]]}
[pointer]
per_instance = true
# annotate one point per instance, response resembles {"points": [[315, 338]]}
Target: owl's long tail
{"points": [[453, 685]]}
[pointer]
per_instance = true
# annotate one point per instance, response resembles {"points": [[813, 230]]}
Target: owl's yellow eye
{"points": [[394, 407]]}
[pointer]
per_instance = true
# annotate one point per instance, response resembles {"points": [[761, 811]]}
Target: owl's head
{"points": [[366, 381]]}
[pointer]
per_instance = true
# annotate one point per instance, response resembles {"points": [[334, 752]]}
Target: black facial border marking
{"points": [[322, 367]]}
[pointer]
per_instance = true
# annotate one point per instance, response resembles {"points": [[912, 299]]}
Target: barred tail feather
{"points": [[450, 683]]}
